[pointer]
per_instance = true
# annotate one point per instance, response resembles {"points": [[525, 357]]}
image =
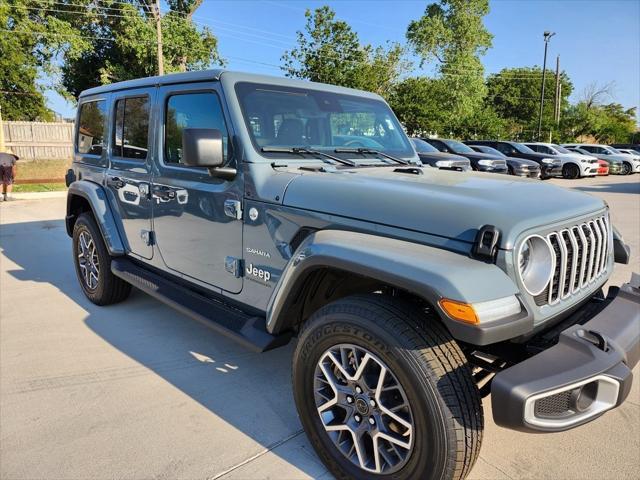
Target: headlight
{"points": [[486, 163], [444, 163], [535, 264], [548, 160], [585, 160]]}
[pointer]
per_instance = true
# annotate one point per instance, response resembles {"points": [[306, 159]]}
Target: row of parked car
{"points": [[533, 160]]}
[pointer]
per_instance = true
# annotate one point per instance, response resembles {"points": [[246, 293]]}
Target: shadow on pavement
{"points": [[249, 391], [627, 187]]}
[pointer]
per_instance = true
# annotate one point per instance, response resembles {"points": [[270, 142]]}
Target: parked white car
{"points": [[574, 165], [629, 151], [630, 163]]}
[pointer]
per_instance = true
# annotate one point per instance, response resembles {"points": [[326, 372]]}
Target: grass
{"points": [[42, 169], [39, 187]]}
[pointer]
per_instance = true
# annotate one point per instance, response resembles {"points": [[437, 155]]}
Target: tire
{"points": [[511, 171], [93, 264], [571, 171], [626, 169], [443, 406]]}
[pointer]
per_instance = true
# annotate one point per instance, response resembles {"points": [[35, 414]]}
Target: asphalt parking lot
{"points": [[137, 390]]}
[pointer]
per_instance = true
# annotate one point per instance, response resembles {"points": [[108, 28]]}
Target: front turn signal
{"points": [[459, 311]]}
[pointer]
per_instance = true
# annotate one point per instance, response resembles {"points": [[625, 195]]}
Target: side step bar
{"points": [[249, 331]]}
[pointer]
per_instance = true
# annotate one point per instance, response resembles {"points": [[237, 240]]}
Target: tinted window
{"points": [[422, 146], [522, 148], [534, 147], [561, 149], [506, 149], [299, 117], [131, 132], [191, 110], [458, 147], [91, 128], [439, 145]]}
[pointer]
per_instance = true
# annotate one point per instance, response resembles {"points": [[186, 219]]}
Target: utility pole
{"points": [[547, 37], [159, 38]]}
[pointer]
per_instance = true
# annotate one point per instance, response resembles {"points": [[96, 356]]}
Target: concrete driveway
{"points": [[137, 390]]}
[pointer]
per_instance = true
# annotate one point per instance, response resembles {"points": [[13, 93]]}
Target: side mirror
{"points": [[202, 147]]}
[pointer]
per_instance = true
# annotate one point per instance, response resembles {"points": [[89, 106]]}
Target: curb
{"points": [[38, 195]]}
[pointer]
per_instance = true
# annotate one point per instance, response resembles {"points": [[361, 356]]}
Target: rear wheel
{"points": [[383, 390], [93, 264], [571, 171], [626, 169]]}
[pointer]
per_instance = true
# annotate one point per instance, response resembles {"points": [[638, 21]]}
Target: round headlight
{"points": [[535, 264]]}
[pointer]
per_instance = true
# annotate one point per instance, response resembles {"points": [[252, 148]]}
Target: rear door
{"points": [[196, 216], [129, 174]]}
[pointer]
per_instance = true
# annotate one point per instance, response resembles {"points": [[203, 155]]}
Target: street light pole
{"points": [[547, 37], [159, 38]]}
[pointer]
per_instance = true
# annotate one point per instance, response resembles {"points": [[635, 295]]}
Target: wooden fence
{"points": [[39, 140]]}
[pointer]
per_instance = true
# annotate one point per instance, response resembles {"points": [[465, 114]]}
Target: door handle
{"points": [[164, 193], [115, 182]]}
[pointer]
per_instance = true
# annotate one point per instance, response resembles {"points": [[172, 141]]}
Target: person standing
{"points": [[7, 172]]}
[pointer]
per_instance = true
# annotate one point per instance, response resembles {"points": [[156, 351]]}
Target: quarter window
{"points": [[194, 110], [131, 132], [90, 136]]}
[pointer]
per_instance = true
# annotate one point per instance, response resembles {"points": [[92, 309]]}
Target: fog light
{"points": [[582, 398]]}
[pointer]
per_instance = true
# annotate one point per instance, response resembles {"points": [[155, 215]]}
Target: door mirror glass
{"points": [[202, 147]]}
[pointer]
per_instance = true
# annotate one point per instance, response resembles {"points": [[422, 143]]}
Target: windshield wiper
{"points": [[363, 151], [308, 151]]}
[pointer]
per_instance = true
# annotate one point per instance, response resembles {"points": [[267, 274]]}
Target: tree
{"points": [[329, 51], [608, 123], [451, 32], [415, 102], [514, 93], [122, 43], [30, 38]]}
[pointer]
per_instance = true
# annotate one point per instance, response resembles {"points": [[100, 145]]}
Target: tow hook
{"points": [[594, 337]]}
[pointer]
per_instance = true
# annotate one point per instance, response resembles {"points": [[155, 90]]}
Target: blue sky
{"points": [[598, 41]]}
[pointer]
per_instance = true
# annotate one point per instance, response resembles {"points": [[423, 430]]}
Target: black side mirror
{"points": [[203, 147]]}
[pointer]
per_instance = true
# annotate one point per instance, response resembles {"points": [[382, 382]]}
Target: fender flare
{"points": [[428, 272], [95, 195]]}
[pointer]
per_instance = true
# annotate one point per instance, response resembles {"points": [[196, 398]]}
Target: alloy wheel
{"points": [[363, 409], [88, 260]]}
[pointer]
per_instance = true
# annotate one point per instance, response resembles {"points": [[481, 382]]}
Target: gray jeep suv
{"points": [[271, 208]]}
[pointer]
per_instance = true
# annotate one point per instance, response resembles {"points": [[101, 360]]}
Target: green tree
{"points": [[122, 43], [609, 123], [415, 102], [329, 51], [451, 32], [514, 93], [31, 36]]}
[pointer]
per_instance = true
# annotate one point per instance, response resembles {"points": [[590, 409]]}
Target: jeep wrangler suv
{"points": [[271, 209]]}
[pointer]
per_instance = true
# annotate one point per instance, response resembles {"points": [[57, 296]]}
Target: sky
{"points": [[598, 40]]}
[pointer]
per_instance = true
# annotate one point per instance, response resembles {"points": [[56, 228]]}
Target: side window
{"points": [[546, 150], [504, 148], [90, 139], [131, 132], [192, 110], [535, 148]]}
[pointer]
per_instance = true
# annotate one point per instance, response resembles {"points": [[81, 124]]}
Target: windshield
{"points": [[279, 116], [458, 147], [613, 150], [522, 148], [492, 151], [561, 149], [423, 147]]}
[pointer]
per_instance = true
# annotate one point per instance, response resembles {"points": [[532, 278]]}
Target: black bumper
{"points": [[592, 359]]}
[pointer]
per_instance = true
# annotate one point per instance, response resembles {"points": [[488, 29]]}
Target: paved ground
{"points": [[139, 391]]}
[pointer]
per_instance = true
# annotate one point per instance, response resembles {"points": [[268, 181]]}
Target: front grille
{"points": [[580, 257]]}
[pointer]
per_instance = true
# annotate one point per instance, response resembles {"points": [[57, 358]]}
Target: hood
{"points": [[443, 203]]}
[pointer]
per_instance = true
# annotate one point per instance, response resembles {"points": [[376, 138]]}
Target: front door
{"points": [[195, 215], [129, 174]]}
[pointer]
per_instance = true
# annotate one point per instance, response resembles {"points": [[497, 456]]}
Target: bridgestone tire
{"points": [[110, 289], [429, 365], [571, 171]]}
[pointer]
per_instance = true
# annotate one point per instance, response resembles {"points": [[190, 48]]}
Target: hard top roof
{"points": [[214, 75]]}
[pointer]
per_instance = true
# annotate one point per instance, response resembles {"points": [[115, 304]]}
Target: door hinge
{"points": [[233, 265], [148, 237], [233, 209]]}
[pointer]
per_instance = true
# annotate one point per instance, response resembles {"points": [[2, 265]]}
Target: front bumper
{"points": [[526, 172], [551, 170], [588, 169], [575, 381]]}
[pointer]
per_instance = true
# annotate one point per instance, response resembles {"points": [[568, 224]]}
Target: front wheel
{"points": [[571, 171], [382, 389]]}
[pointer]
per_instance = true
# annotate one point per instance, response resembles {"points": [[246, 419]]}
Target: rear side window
{"points": [[193, 110], [131, 132], [90, 136]]}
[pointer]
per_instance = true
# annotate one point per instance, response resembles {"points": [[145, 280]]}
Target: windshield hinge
{"points": [[485, 246], [233, 209]]}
